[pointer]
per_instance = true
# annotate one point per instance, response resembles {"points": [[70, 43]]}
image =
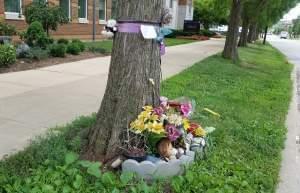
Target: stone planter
{"points": [[161, 169]]}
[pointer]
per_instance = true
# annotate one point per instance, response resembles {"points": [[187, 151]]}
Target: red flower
{"points": [[193, 127]]}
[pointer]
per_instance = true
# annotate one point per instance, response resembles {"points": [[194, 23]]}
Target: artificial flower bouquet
{"points": [[168, 130]]}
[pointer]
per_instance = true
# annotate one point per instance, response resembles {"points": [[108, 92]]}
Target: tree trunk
{"points": [[134, 62], [244, 33], [251, 32], [265, 35], [230, 49]]}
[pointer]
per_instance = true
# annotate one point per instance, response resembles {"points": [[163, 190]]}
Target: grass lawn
{"points": [[252, 98], [106, 45]]}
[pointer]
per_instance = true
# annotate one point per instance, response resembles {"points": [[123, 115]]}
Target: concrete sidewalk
{"points": [[32, 101]]}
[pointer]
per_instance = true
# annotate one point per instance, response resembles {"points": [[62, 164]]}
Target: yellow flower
{"points": [[144, 115], [148, 108], [186, 124], [155, 127], [138, 126], [199, 132], [153, 118]]}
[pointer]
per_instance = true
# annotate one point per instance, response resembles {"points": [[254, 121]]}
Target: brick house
{"points": [[80, 13]]}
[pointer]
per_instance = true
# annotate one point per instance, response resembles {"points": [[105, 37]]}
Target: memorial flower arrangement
{"points": [[170, 121]]}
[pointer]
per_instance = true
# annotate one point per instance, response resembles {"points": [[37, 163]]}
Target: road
{"points": [[290, 168], [34, 100]]}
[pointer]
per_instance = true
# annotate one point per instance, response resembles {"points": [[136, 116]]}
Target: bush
{"points": [[207, 33], [35, 35], [7, 55], [74, 48], [80, 43], [58, 50], [7, 30], [96, 49], [38, 53], [63, 41]]}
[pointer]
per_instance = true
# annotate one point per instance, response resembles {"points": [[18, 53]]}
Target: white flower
{"points": [[175, 119]]}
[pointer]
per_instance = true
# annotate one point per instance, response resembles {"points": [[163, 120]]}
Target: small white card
{"points": [[148, 31]]}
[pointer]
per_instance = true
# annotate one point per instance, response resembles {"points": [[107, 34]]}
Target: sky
{"points": [[293, 13]]}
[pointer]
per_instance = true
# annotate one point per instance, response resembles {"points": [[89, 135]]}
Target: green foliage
{"points": [[7, 55], [211, 12], [58, 50], [250, 133], [49, 15], [74, 48], [35, 35], [296, 27], [80, 44], [7, 30], [62, 41], [207, 33], [37, 53]]}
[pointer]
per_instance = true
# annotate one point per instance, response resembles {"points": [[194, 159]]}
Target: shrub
{"points": [[97, 49], [38, 53], [7, 55], [62, 41], [7, 30], [80, 43], [35, 35], [58, 50], [207, 33], [73, 48]]}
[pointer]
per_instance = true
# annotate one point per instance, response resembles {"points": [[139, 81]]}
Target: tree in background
{"points": [[230, 50], [211, 12], [295, 29], [133, 80], [49, 15]]}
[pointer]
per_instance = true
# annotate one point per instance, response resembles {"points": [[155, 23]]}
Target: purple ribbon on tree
{"points": [[135, 27]]}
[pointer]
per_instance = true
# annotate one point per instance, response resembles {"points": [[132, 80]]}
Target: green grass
{"points": [[106, 45], [252, 98]]}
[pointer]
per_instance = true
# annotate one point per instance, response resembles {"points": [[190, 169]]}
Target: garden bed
{"points": [[28, 64]]}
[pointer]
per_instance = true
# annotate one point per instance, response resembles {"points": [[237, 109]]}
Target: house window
{"points": [[12, 6], [40, 1], [82, 11], [13, 9], [114, 9], [171, 3], [65, 5], [102, 8], [190, 6]]}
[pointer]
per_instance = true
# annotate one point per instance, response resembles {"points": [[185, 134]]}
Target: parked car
{"points": [[284, 35]]}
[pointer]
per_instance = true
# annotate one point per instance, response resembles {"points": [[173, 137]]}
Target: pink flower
{"points": [[163, 101], [172, 133], [158, 111], [186, 109]]}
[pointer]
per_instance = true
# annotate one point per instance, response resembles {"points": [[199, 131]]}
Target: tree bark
{"points": [[265, 35], [134, 62], [251, 32], [244, 33], [230, 50]]}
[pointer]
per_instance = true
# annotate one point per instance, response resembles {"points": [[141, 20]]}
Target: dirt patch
{"points": [[28, 64]]}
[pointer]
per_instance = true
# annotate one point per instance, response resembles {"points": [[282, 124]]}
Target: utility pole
{"points": [[94, 20]]}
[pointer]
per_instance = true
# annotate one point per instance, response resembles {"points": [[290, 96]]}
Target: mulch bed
{"points": [[194, 37], [28, 64]]}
